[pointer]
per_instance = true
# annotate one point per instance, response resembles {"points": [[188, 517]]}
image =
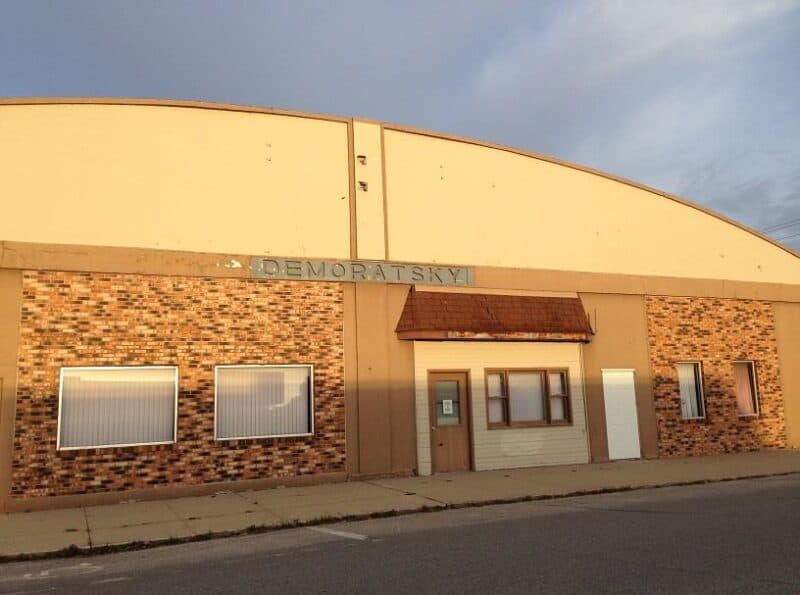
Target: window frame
{"points": [[311, 395], [126, 445], [509, 424], [698, 382], [756, 394]]}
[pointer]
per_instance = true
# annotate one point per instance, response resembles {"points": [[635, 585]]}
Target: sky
{"points": [[699, 98]]}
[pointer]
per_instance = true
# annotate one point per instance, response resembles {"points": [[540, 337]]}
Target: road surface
{"points": [[733, 537]]}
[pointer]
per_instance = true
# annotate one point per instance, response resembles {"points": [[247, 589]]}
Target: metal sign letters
{"points": [[304, 269]]}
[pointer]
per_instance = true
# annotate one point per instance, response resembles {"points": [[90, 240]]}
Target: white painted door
{"points": [[622, 423]]}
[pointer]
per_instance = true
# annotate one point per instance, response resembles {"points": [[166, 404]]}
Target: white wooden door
{"points": [[622, 423]]}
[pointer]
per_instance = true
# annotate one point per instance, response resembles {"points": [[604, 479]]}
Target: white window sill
{"points": [[267, 437], [132, 444]]}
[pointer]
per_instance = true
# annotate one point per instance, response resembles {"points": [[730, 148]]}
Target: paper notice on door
{"points": [[447, 406]]}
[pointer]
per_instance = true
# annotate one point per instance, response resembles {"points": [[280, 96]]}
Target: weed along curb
{"points": [[93, 550]]}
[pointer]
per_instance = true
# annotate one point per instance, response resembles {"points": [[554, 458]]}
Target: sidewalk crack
{"points": [[178, 517], [88, 530], [406, 493]]}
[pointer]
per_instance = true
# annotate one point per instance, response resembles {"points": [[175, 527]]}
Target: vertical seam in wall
{"points": [[385, 199], [586, 426], [357, 388], [392, 393], [779, 370], [13, 389], [351, 167]]}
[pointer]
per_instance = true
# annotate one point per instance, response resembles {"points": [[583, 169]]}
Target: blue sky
{"points": [[699, 98]]}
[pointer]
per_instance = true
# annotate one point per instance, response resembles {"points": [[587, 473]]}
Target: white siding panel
{"points": [[503, 449]]}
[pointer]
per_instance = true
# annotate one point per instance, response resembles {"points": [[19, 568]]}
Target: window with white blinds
{"points": [[525, 398], [122, 406], [263, 401]]}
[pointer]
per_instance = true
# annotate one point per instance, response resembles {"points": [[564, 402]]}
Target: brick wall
{"points": [[81, 319], [715, 332]]}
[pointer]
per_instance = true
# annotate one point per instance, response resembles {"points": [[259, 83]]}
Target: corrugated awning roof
{"points": [[432, 315]]}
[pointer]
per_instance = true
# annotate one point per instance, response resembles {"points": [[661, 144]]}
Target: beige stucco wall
{"points": [[450, 201], [787, 335], [503, 449], [10, 311], [620, 341], [384, 382], [175, 178], [228, 180], [367, 143]]}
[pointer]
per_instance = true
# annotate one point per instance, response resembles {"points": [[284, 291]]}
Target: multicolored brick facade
{"points": [[96, 319], [716, 332], [88, 319]]}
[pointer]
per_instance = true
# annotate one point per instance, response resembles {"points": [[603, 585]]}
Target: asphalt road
{"points": [[734, 537]]}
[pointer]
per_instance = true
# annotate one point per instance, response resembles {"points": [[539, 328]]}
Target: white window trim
{"points": [[79, 368], [756, 396], [702, 389], [311, 395]]}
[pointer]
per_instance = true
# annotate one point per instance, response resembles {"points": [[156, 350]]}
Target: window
{"points": [[523, 398], [690, 381], [263, 401], [744, 377], [124, 406], [448, 403]]}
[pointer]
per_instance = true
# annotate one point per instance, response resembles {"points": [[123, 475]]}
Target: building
{"points": [[196, 297]]}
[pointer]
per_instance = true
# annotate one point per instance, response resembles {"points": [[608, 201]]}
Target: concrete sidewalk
{"points": [[98, 527]]}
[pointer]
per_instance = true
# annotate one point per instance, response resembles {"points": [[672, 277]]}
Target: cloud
{"points": [[676, 95], [592, 41]]}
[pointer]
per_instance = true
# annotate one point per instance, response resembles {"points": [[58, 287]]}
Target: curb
{"points": [[87, 551]]}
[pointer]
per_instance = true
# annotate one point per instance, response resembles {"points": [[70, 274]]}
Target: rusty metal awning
{"points": [[433, 315]]}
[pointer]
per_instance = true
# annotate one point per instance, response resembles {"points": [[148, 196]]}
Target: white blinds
{"points": [[494, 385], [557, 412], [496, 413], [688, 381], [556, 381], [262, 401], [526, 390], [117, 406]]}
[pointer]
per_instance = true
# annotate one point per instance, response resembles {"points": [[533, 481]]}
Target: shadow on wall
{"points": [[384, 425], [598, 429], [715, 333], [723, 429]]}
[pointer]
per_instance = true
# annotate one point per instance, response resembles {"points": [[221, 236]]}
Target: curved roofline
{"points": [[189, 103]]}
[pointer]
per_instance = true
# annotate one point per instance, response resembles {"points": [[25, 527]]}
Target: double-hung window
{"points": [[523, 398], [690, 382], [118, 406], [744, 377], [263, 401]]}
